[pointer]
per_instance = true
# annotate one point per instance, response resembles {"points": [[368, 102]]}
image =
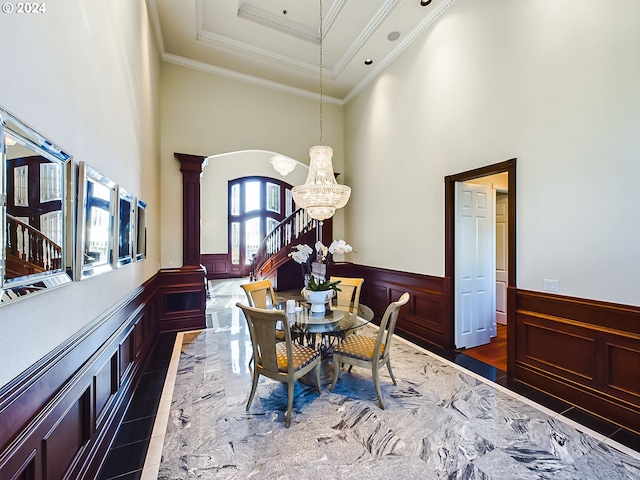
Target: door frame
{"points": [[508, 166]]}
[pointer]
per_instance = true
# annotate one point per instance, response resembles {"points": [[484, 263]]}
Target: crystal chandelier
{"points": [[321, 195], [283, 165]]}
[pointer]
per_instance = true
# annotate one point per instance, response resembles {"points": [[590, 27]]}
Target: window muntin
{"points": [[235, 199], [51, 226], [271, 224], [273, 198], [288, 202], [252, 239], [21, 186], [235, 243], [50, 182]]}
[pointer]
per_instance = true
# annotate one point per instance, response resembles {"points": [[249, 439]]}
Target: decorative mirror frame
{"points": [[87, 232], [126, 227], [141, 230], [51, 263]]}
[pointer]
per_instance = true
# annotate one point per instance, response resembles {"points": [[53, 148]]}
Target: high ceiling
{"points": [[276, 43]]}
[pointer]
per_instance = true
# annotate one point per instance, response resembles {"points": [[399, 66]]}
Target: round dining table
{"points": [[324, 331]]}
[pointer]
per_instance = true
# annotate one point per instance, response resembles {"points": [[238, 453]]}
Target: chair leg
{"points": [[317, 369], [290, 389], [254, 387], [390, 372], [336, 373], [376, 383]]}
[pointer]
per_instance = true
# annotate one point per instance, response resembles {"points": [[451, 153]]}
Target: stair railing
{"points": [[281, 237], [32, 246]]}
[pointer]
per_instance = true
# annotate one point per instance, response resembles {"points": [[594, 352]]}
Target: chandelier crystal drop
{"points": [[283, 165], [321, 195]]}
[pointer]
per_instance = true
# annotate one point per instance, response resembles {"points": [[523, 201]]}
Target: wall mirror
{"points": [[126, 226], [96, 222], [37, 201], [141, 230]]}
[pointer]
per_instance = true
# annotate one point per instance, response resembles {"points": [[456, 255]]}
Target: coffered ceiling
{"points": [[276, 43]]}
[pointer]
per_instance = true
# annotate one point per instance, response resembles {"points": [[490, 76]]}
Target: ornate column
{"points": [[182, 291], [191, 168]]}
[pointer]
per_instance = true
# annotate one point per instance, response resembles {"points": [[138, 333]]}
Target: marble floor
{"points": [[440, 421]]}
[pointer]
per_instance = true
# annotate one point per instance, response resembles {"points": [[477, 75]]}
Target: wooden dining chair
{"points": [[348, 297], [260, 294], [368, 352], [282, 361]]}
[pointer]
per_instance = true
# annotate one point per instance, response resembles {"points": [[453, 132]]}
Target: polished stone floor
{"points": [[440, 421]]}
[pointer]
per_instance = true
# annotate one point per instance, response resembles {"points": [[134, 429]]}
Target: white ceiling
{"points": [[257, 42]]}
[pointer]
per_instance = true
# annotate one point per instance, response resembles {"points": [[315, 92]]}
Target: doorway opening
{"points": [[477, 314]]}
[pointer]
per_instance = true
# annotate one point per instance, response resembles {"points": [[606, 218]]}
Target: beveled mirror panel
{"points": [[37, 196], [126, 227], [97, 202], [141, 230]]}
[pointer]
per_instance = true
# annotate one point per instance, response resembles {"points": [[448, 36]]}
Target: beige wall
{"points": [[89, 82], [207, 115], [554, 84]]}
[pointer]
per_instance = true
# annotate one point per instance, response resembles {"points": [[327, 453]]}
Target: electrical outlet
{"points": [[550, 285]]}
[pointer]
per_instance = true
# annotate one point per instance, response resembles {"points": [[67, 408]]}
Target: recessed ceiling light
{"points": [[368, 61], [393, 36], [424, 3]]}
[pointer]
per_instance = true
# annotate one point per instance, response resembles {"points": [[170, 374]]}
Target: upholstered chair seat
{"points": [[373, 353]]}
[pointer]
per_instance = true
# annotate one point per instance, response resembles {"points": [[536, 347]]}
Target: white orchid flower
{"points": [[301, 253], [339, 247], [322, 250]]}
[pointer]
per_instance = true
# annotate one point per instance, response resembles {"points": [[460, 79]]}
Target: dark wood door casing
{"points": [[508, 166]]}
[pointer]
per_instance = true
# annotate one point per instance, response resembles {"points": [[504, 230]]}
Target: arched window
{"points": [[256, 206]]}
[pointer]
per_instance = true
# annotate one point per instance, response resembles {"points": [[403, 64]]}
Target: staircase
{"points": [[272, 258], [29, 251]]}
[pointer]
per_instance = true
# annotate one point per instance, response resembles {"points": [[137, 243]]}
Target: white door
{"points": [[475, 300], [502, 278]]}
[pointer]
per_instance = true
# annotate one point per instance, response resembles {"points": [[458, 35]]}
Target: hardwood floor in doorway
{"points": [[493, 353]]}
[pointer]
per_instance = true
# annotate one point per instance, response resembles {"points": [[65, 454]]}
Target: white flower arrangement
{"points": [[302, 254]]}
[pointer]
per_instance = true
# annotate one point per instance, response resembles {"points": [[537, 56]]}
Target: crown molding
{"points": [[250, 79], [307, 68], [244, 49]]}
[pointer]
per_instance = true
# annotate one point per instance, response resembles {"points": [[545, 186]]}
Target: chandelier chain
{"points": [[321, 72]]}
